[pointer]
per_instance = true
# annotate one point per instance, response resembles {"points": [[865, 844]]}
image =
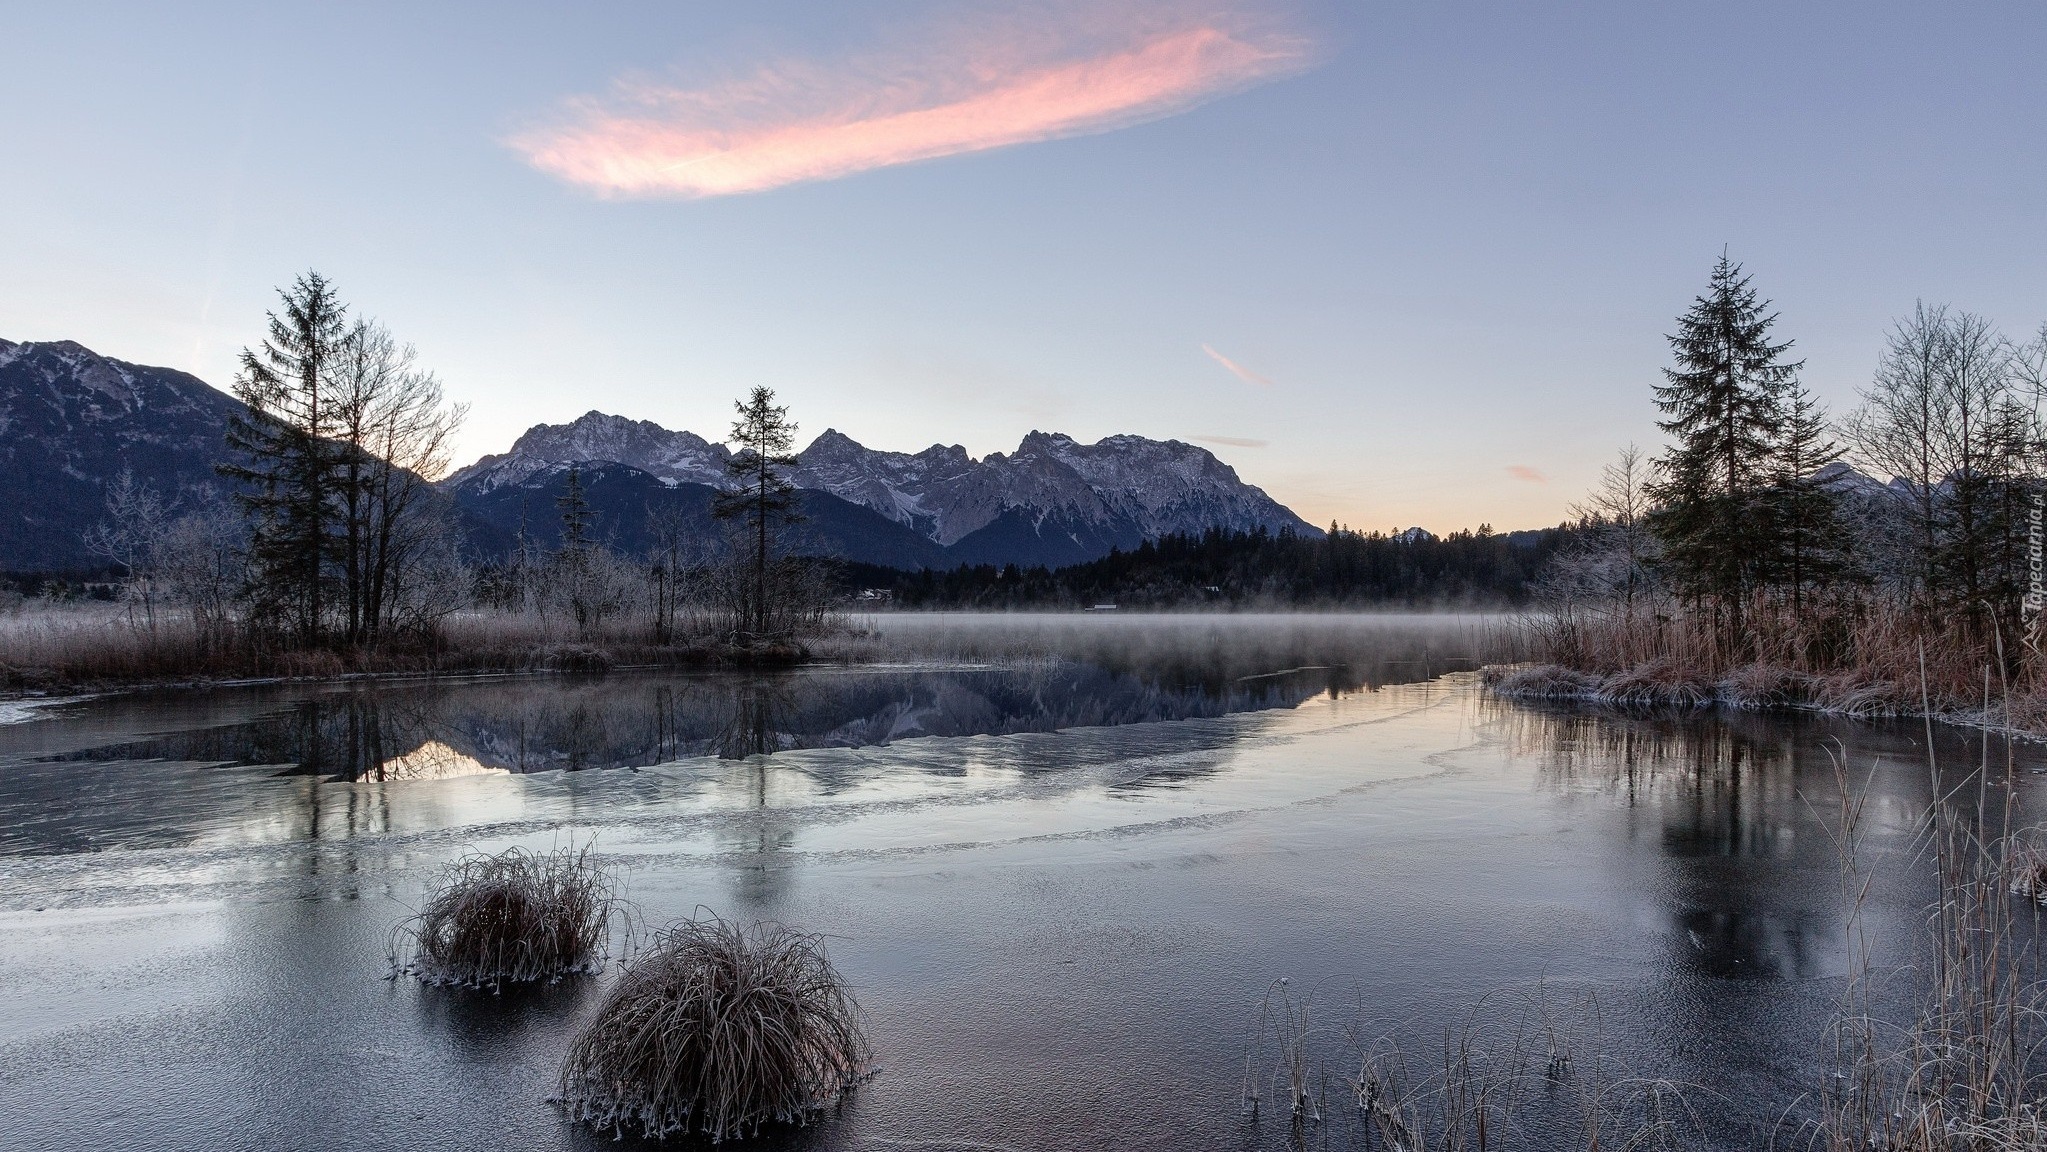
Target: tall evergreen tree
{"points": [[1808, 545], [761, 498], [577, 571], [575, 514], [1723, 403], [286, 477]]}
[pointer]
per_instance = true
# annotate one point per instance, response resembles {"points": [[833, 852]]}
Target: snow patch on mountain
{"points": [[1118, 488], [1117, 485], [598, 438]]}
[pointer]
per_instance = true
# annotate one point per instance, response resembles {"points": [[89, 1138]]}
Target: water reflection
{"points": [[385, 733], [1741, 810]]}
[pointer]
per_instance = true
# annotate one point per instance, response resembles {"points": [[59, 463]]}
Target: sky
{"points": [[1396, 263]]}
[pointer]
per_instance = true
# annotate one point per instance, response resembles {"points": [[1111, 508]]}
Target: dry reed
{"points": [[514, 917], [1662, 681], [717, 1029], [1969, 1072], [1543, 682], [1761, 686], [1293, 1074], [1862, 661], [1537, 1079]]}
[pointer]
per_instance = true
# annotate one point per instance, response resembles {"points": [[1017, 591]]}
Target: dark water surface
{"points": [[1059, 887]]}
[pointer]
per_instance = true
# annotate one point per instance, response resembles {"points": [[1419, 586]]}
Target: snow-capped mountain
{"points": [[1053, 500], [70, 421], [1118, 484], [594, 437], [895, 484]]}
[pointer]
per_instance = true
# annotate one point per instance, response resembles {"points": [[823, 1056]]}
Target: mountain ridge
{"points": [[1053, 500], [71, 420]]}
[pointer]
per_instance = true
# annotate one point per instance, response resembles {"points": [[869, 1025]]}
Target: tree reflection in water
{"points": [[1737, 806]]}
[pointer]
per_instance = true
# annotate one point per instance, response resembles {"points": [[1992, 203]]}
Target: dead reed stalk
{"points": [[717, 1029], [1293, 1073], [1535, 1078], [1539, 1079]]}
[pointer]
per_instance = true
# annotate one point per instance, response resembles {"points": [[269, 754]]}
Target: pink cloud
{"points": [[1524, 472], [1233, 441], [791, 122], [1242, 373]]}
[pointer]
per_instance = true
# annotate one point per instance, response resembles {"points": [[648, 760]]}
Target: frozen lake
{"points": [[1060, 861]]}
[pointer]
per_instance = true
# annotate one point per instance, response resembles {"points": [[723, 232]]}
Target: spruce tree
{"points": [[575, 514], [286, 481], [1723, 403], [573, 563], [1808, 546], [762, 498]]}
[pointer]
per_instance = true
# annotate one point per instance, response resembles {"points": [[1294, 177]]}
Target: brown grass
{"points": [[1763, 686], [514, 917], [717, 1029], [2029, 873], [1543, 682], [1862, 663], [1661, 682]]}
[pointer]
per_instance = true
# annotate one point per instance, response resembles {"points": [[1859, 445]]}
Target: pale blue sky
{"points": [[1449, 235]]}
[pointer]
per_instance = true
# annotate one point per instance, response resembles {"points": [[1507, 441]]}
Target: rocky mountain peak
{"points": [[1119, 490], [1125, 486], [599, 437]]}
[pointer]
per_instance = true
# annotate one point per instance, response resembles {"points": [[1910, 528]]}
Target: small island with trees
{"points": [[1756, 562]]}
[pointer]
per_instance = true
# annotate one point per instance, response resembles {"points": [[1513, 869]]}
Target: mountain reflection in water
{"points": [[413, 731]]}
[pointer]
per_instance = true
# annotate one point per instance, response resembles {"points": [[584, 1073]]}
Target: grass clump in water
{"points": [[514, 917], [717, 1029]]}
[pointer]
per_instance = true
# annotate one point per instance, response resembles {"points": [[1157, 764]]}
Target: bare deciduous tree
{"points": [[394, 425], [199, 560], [131, 537], [1619, 547], [1943, 419]]}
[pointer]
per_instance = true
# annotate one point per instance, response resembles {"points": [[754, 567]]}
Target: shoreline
{"points": [[1642, 689], [104, 655], [66, 690]]}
